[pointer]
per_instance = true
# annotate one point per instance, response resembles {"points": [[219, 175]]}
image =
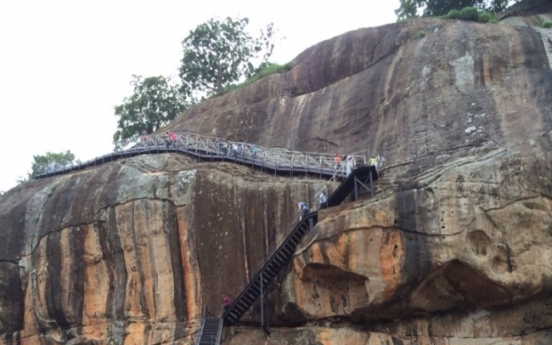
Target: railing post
{"points": [[262, 302], [356, 188], [371, 183]]}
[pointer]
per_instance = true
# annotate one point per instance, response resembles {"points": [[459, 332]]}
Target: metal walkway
{"points": [[270, 160], [360, 178]]}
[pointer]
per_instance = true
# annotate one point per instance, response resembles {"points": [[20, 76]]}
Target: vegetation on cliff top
{"points": [[217, 55], [49, 161], [435, 8], [271, 68], [220, 52], [154, 103], [471, 14]]}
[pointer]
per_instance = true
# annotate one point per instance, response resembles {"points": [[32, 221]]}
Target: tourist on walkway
{"points": [[241, 148], [337, 162], [234, 150], [224, 149], [303, 209], [254, 151], [322, 200], [167, 139], [144, 139], [173, 138], [374, 162]]}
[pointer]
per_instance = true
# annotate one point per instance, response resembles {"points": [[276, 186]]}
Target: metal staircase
{"points": [[210, 332], [280, 258]]}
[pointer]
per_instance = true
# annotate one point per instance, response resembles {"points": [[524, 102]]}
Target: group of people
{"points": [[235, 149], [169, 137], [350, 163], [238, 150], [304, 207]]}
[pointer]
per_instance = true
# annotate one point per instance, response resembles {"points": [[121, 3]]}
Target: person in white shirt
{"points": [[322, 200]]}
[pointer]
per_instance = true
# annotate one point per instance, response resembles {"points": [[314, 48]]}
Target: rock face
{"points": [[460, 89], [132, 251], [455, 248]]}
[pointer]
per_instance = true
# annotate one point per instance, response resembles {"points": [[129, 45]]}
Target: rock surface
{"points": [[455, 249], [462, 88], [131, 252]]}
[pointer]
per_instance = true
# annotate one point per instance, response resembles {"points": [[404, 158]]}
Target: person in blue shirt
{"points": [[303, 209]]}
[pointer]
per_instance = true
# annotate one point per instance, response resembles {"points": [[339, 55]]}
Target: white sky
{"points": [[64, 64]]}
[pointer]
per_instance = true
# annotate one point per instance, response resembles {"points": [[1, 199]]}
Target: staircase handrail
{"points": [[297, 227], [219, 333], [203, 318], [307, 218]]}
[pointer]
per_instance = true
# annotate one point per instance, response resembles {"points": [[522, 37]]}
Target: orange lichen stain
{"points": [[316, 254], [67, 280], [96, 330], [31, 339], [298, 265], [486, 73], [337, 252], [29, 333], [145, 229], [299, 291], [391, 256], [164, 289], [134, 334], [193, 299], [323, 337], [381, 217], [96, 286], [133, 287], [38, 289]]}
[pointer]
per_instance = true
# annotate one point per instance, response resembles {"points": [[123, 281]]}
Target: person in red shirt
{"points": [[226, 302], [337, 161], [173, 137]]}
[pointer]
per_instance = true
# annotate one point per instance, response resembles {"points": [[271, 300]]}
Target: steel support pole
{"points": [[267, 321], [356, 189], [262, 300], [371, 184]]}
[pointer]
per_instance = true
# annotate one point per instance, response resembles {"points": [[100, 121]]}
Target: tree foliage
{"points": [[154, 103], [433, 8], [220, 52], [49, 162]]}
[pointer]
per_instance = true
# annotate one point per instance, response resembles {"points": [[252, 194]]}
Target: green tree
{"points": [[432, 8], [49, 162], [220, 52], [154, 103]]}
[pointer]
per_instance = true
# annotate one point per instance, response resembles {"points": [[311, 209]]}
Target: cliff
{"points": [[455, 248]]}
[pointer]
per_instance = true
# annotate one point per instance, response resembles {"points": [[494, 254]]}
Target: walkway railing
{"points": [[276, 157]]}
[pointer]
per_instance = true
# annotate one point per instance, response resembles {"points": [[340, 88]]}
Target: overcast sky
{"points": [[64, 64]]}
